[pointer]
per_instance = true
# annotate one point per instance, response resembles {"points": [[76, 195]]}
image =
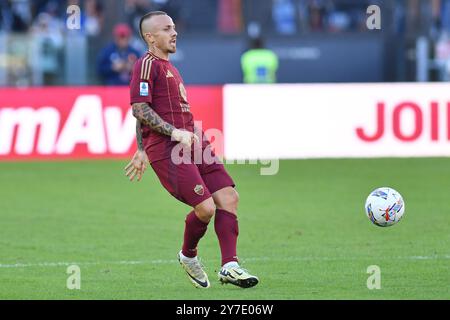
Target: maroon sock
{"points": [[227, 230], [194, 230]]}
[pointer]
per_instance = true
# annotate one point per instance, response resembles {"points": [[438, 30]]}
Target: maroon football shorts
{"points": [[192, 183]]}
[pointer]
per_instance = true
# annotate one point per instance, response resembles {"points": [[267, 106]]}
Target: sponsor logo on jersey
{"points": [[143, 89]]}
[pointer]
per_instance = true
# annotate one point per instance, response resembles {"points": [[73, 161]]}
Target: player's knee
{"points": [[206, 210], [233, 198], [229, 201]]}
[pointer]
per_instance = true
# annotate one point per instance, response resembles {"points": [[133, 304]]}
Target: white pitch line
{"points": [[64, 264], [160, 261]]}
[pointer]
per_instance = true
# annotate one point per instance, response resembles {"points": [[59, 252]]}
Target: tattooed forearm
{"points": [[146, 115], [139, 136]]}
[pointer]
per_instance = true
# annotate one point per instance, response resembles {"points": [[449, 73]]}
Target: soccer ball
{"points": [[385, 207]]}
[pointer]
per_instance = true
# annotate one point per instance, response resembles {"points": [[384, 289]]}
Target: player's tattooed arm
{"points": [[146, 115], [140, 143]]}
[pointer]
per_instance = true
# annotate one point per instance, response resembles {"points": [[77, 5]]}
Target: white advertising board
{"points": [[336, 120]]}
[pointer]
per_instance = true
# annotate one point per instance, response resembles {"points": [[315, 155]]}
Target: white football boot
{"points": [[194, 270], [234, 274]]}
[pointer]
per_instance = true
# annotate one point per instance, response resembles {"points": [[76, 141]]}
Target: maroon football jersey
{"points": [[157, 82]]}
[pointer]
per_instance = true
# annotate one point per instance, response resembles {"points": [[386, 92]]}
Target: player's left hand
{"points": [[137, 166]]}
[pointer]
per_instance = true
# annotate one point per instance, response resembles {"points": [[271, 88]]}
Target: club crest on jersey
{"points": [[143, 89], [199, 190]]}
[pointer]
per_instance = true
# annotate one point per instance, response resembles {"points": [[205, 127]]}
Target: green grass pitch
{"points": [[303, 232]]}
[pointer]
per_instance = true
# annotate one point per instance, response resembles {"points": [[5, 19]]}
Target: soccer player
{"points": [[164, 120]]}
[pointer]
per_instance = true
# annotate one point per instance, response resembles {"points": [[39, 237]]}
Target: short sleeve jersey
{"points": [[157, 82]]}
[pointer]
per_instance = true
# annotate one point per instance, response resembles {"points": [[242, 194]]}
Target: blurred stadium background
{"points": [[315, 40], [343, 91]]}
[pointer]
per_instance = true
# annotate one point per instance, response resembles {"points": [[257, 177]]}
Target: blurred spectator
{"points": [[48, 42], [317, 13], [116, 60], [53, 19], [94, 17], [356, 13], [39, 6], [4, 15], [338, 21], [15, 16], [399, 17], [303, 15], [134, 10], [283, 12], [175, 9], [259, 65], [445, 15], [229, 16], [443, 55], [334, 15], [436, 21]]}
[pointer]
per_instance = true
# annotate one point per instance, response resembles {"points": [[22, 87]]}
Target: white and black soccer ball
{"points": [[385, 207]]}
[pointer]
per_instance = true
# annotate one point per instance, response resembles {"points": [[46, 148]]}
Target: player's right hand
{"points": [[184, 137], [137, 166]]}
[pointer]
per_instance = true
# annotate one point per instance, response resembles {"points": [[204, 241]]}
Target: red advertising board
{"points": [[83, 122]]}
